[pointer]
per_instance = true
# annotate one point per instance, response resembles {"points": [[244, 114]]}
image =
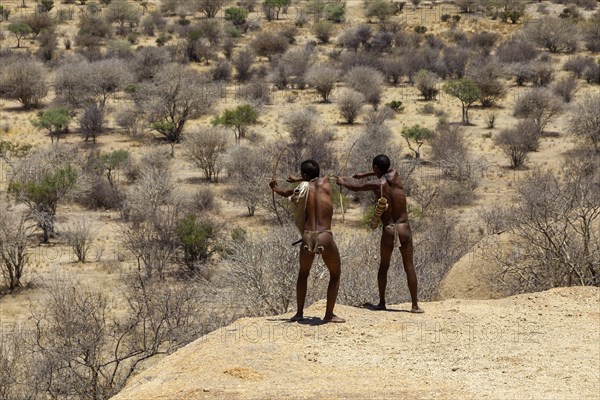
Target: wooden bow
{"points": [[342, 174], [273, 178]]}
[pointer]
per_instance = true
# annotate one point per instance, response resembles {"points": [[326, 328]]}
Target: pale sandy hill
{"points": [[476, 274], [533, 346]]}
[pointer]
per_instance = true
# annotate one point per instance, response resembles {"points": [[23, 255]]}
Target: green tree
{"points": [[113, 161], [20, 30], [210, 7], [336, 12], [237, 15], [417, 134], [275, 6], [316, 8], [238, 120], [466, 91], [54, 120], [43, 194]]}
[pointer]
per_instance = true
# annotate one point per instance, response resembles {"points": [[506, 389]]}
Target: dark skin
{"points": [[389, 185], [319, 212]]}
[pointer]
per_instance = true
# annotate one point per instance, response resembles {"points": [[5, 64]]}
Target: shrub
{"points": [[268, 44], [517, 142], [592, 74], [394, 68], [516, 49], [222, 71], [457, 193], [257, 93], [539, 105], [380, 9], [554, 34], [395, 105], [148, 61], [335, 12], [485, 41], [382, 42], [542, 73], [523, 72], [350, 103], [450, 152], [566, 88], [24, 80], [427, 83], [323, 30], [79, 236], [491, 89], [243, 65], [578, 64], [585, 121], [91, 122], [367, 81], [591, 32], [353, 37], [323, 79]]}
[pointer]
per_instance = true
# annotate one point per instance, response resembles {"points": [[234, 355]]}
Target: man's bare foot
{"points": [[334, 318], [297, 318], [378, 307], [416, 310]]}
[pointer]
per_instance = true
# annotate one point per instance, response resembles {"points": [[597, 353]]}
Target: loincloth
{"points": [[311, 242], [396, 234]]}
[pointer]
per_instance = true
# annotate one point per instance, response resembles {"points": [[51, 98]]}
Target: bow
{"points": [[342, 174], [273, 178]]}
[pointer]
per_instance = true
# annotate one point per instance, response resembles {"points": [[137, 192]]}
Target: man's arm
{"points": [[281, 192], [359, 187], [363, 175], [294, 179]]}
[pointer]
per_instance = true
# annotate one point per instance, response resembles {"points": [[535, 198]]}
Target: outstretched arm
{"points": [[281, 192], [294, 179], [358, 187], [359, 175]]}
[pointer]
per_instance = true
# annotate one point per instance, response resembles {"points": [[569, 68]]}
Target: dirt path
{"points": [[542, 345]]}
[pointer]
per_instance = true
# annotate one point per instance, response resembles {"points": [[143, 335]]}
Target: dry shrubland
{"points": [[186, 236]]}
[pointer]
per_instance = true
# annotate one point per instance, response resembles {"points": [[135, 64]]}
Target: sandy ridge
{"points": [[538, 346]]}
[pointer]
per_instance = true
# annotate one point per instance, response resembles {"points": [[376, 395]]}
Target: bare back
{"points": [[393, 190], [319, 205]]}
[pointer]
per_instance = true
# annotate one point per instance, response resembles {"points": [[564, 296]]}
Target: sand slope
{"points": [[532, 346]]}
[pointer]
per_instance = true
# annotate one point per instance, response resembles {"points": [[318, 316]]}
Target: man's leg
{"points": [[331, 258], [306, 260], [386, 249], [406, 250]]}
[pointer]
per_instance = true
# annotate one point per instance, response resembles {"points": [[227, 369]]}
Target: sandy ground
{"points": [[533, 346]]}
